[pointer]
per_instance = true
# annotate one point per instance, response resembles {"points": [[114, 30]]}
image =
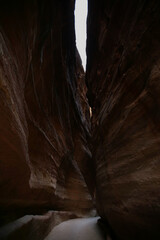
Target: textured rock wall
{"points": [[123, 77], [44, 117]]}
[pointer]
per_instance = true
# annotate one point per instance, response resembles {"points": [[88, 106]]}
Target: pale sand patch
{"points": [[77, 229]]}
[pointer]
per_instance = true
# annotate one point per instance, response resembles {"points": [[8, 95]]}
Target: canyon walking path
{"points": [[77, 229]]}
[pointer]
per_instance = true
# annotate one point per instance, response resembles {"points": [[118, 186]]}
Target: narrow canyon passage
{"points": [[78, 144]]}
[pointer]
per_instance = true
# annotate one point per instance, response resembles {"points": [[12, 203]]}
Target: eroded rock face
{"points": [[44, 117], [123, 74]]}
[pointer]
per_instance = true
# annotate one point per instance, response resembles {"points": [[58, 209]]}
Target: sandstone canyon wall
{"points": [[45, 146], [123, 78], [44, 116]]}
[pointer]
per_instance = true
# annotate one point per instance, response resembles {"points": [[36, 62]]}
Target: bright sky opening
{"points": [[81, 9]]}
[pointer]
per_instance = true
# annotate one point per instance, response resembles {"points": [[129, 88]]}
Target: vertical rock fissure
{"points": [[81, 11], [81, 15]]}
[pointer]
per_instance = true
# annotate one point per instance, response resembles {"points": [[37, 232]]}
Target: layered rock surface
{"points": [[45, 155], [44, 116], [123, 72]]}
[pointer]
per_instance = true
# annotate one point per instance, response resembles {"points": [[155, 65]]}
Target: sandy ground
{"points": [[77, 229]]}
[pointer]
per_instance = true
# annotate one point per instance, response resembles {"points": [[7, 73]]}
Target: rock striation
{"points": [[47, 138], [123, 72], [44, 113]]}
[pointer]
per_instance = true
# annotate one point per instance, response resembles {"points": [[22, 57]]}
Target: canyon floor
{"points": [[77, 229]]}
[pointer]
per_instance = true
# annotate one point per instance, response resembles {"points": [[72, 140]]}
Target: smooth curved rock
{"points": [[44, 121], [34, 227]]}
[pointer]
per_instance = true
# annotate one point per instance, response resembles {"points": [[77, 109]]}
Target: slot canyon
{"points": [[79, 150]]}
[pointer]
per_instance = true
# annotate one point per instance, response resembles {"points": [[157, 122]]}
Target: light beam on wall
{"points": [[81, 9]]}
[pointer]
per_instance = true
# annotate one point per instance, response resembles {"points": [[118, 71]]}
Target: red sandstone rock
{"points": [[44, 125], [123, 72], [44, 115]]}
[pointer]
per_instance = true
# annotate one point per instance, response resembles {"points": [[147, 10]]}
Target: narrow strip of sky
{"points": [[81, 9]]}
